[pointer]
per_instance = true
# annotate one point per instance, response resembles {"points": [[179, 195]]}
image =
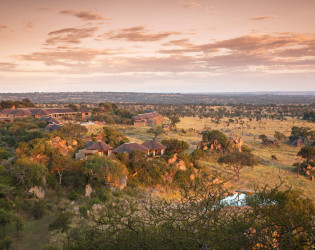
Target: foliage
{"points": [[307, 152], [101, 170], [27, 173], [211, 136], [113, 137], [175, 145], [303, 132], [70, 131], [62, 222], [280, 136], [272, 219], [263, 138], [4, 154], [198, 154], [174, 119], [39, 209], [238, 160], [156, 131], [151, 173]]}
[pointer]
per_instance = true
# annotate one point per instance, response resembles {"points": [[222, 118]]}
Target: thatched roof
{"points": [[153, 145], [99, 146], [51, 127], [130, 147]]}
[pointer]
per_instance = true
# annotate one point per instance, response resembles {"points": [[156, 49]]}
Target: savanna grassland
{"points": [[80, 203], [269, 172]]}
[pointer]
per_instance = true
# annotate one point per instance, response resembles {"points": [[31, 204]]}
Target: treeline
{"points": [[172, 98], [25, 103], [279, 112]]}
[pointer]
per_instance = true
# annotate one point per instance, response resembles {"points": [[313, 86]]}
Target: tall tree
{"points": [[236, 161]]}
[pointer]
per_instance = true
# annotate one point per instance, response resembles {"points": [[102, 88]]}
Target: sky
{"points": [[157, 45]]}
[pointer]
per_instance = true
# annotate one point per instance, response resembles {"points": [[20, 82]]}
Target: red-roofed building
{"points": [[148, 119], [154, 147], [61, 113]]}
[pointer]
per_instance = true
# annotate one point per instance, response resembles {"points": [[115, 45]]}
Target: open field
{"points": [[268, 172]]}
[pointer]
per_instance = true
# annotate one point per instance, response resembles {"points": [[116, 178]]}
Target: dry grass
{"points": [[271, 172], [266, 173]]}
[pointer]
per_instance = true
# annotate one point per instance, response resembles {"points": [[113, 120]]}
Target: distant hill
{"points": [[170, 98]]}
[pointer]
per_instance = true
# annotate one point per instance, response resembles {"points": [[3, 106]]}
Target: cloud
{"points": [[43, 8], [280, 49], [191, 4], [4, 66], [66, 56], [3, 27], [138, 34], [70, 35], [277, 52], [259, 18], [85, 15]]}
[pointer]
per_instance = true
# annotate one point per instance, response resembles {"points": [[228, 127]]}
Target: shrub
{"points": [[73, 195], [83, 211], [39, 209]]}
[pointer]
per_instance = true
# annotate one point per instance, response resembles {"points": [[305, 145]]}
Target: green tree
{"points": [[113, 137], [101, 170], [27, 173], [174, 119], [62, 222], [156, 131], [210, 136], [303, 132], [280, 136], [236, 161], [307, 152], [175, 145], [71, 131]]}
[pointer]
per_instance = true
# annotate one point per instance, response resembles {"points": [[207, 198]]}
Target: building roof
{"points": [[50, 119], [84, 110], [153, 145], [130, 147], [20, 112], [89, 143], [52, 127], [100, 146], [58, 110], [146, 115], [6, 111]]}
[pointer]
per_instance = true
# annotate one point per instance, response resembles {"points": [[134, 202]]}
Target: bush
{"points": [[83, 211], [73, 195], [103, 194], [181, 177], [39, 209]]}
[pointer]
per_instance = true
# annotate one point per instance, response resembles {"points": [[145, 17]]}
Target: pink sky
{"points": [[157, 46]]}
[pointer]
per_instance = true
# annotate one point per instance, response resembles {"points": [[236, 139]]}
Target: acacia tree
{"points": [[60, 163], [174, 119], [236, 161], [307, 152], [156, 131], [175, 145], [211, 136], [280, 136]]}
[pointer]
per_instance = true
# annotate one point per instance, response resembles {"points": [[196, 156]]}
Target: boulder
{"points": [[96, 208], [38, 191], [180, 165], [173, 159], [88, 190], [122, 182]]}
